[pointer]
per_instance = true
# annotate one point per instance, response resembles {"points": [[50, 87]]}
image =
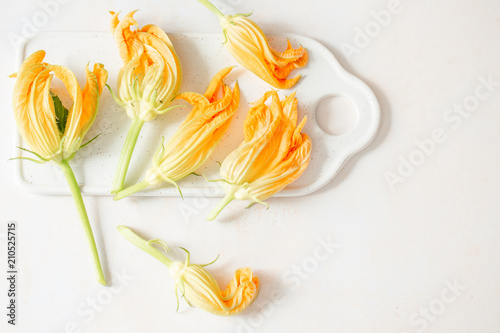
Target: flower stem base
{"points": [[77, 196], [220, 206], [126, 155], [212, 8], [131, 190]]}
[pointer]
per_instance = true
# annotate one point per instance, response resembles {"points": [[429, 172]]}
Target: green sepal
{"points": [[116, 98], [249, 206], [170, 108], [210, 263], [34, 153], [88, 142], [159, 153], [27, 159], [217, 180]]}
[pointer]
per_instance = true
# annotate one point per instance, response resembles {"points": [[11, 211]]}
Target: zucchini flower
{"points": [[147, 83], [249, 46], [52, 132], [273, 153], [194, 141], [198, 287]]}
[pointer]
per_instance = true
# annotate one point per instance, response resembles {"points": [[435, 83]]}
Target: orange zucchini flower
{"points": [[151, 75], [249, 46], [53, 132], [194, 141], [273, 153], [199, 287], [50, 130], [147, 83]]}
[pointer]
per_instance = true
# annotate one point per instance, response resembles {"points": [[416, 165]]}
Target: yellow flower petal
{"points": [[42, 124], [90, 96], [157, 32], [289, 169], [245, 163], [33, 108], [128, 43]]}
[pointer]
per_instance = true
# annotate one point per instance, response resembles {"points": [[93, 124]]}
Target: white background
{"points": [[397, 250]]}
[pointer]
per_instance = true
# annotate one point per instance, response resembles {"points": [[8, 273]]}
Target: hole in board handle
{"points": [[336, 115]]}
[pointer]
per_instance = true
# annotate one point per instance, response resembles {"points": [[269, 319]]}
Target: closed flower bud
{"points": [[249, 46], [197, 286], [147, 83]]}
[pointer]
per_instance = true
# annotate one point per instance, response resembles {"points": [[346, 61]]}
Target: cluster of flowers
{"points": [[273, 153]]}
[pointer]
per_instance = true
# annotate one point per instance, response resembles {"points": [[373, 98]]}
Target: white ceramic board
{"points": [[201, 56]]}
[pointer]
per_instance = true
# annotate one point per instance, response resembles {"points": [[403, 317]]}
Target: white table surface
{"points": [[420, 256]]}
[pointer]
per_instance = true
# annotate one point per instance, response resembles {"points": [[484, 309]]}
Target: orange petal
{"points": [[157, 32], [215, 83], [279, 145], [285, 173], [90, 96], [33, 107], [42, 131], [128, 44], [101, 76], [241, 291], [246, 162], [35, 58]]}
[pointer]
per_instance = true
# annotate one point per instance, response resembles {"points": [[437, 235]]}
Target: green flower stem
{"points": [[131, 190], [77, 196], [126, 155], [220, 206], [212, 8], [144, 245]]}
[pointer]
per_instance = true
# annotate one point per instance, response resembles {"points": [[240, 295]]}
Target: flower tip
{"points": [[183, 249]]}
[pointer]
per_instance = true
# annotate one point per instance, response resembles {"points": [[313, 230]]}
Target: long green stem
{"points": [[131, 190], [143, 244], [126, 155], [220, 206], [212, 8], [77, 196]]}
